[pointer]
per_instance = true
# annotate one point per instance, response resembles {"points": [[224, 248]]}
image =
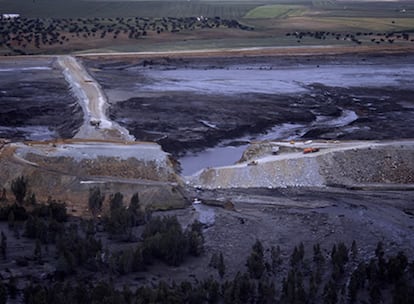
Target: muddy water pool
{"points": [[206, 112]]}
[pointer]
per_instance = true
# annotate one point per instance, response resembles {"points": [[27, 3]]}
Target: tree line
{"points": [[357, 37], [307, 274], [21, 35]]}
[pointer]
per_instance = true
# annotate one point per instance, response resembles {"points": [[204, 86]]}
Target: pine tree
{"points": [[255, 262], [379, 251], [276, 258], [330, 295], [11, 219], [3, 293], [19, 188], [3, 245], [134, 204], [375, 294], [38, 251], [354, 250], [318, 257], [221, 267], [116, 201], [95, 200]]}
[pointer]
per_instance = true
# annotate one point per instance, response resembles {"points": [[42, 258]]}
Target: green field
{"points": [[275, 11], [96, 8]]}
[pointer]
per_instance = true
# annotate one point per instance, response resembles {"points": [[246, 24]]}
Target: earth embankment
{"points": [[315, 164], [66, 170], [93, 101]]}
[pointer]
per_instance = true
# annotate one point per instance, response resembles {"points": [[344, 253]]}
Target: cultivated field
{"points": [[48, 26]]}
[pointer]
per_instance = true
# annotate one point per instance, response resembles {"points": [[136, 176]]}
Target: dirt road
{"points": [[258, 51], [93, 101]]}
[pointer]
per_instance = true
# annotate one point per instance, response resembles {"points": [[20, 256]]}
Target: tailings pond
{"points": [[35, 101], [206, 110]]}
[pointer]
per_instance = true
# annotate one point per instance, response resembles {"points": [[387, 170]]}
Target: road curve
{"points": [[93, 101]]}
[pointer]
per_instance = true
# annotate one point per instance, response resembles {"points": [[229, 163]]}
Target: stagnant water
{"points": [[229, 152]]}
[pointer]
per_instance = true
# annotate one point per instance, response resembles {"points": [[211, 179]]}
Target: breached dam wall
{"points": [[282, 164]]}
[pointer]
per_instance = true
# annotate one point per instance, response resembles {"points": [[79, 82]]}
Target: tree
{"points": [[135, 209], [402, 292], [339, 257], [116, 201], [276, 257], [195, 239], [318, 257], [120, 223], [3, 293], [3, 245], [240, 290], [12, 287], [379, 251], [217, 262], [221, 267], [375, 294], [330, 295], [134, 203], [396, 266], [164, 239], [11, 219], [19, 188], [354, 250], [255, 262], [95, 200], [3, 196], [297, 256], [32, 199], [313, 287], [38, 251], [266, 292]]}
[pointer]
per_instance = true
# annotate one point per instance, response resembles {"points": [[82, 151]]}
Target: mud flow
{"points": [[36, 102], [205, 111]]}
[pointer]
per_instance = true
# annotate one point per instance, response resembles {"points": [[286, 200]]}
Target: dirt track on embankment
{"points": [[96, 125]]}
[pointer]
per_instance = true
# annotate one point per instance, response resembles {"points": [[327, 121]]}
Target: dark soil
{"points": [[31, 104], [177, 120]]}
